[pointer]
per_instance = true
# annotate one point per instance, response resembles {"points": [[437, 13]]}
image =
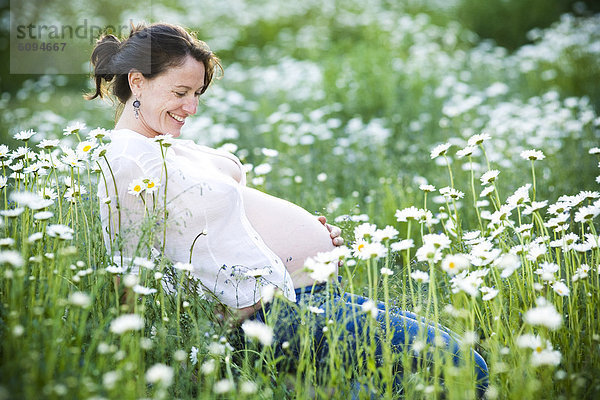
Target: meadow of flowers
{"points": [[465, 179]]}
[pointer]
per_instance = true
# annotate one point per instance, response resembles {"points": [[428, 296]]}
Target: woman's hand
{"points": [[334, 232]]}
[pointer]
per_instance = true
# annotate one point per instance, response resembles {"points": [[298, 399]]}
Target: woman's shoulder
{"points": [[128, 147], [218, 151], [127, 135], [127, 141]]}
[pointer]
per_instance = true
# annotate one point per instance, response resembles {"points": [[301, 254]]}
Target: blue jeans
{"points": [[344, 308]]}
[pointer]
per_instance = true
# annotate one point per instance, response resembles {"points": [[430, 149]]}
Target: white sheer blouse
{"points": [[206, 222]]}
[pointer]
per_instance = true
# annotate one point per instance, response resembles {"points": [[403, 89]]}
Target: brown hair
{"points": [[150, 50]]}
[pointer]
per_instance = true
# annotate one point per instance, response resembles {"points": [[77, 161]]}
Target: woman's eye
{"points": [[179, 94]]}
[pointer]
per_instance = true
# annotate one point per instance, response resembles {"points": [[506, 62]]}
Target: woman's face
{"points": [[169, 98]]}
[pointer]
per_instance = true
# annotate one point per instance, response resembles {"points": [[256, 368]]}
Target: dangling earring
{"points": [[136, 108]]}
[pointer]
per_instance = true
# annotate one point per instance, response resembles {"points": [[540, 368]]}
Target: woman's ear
{"points": [[136, 82]]}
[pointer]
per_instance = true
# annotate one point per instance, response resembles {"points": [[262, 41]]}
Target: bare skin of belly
{"points": [[290, 231]]}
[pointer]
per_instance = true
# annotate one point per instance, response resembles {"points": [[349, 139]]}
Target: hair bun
{"points": [[106, 48]]}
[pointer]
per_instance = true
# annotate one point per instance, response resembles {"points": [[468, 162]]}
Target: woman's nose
{"points": [[190, 106]]}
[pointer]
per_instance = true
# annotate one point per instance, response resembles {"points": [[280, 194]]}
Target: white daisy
{"points": [[320, 270], [74, 128], [546, 356], [263, 169], [165, 140], [99, 151], [364, 231], [547, 270], [410, 213], [471, 235], [370, 308], [468, 282], [43, 215], [532, 155], [478, 139], [4, 151], [24, 135], [11, 257], [438, 240], [143, 290], [402, 245], [544, 315], [420, 276], [454, 263], [194, 355], [429, 253], [488, 293], [60, 231], [125, 323], [589, 195], [500, 216], [160, 374], [486, 191], [365, 250], [586, 214], [85, 148], [180, 266], [223, 386], [535, 206], [452, 193], [248, 387], [489, 177], [467, 151], [561, 289], [80, 299], [151, 185], [387, 233], [70, 158], [136, 187], [259, 331], [439, 150], [98, 133], [48, 143], [208, 367], [520, 196], [143, 262]]}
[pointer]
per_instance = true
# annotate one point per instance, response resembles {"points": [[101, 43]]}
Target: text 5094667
{"points": [[42, 46]]}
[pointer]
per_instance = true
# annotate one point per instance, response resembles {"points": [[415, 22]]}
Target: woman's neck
{"points": [[127, 120]]}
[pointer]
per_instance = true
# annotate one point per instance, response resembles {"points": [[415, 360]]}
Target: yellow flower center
{"points": [[150, 185], [538, 349], [451, 265], [137, 188], [87, 148], [361, 247]]}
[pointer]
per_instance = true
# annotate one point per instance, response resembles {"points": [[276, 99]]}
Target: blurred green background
{"points": [[362, 90]]}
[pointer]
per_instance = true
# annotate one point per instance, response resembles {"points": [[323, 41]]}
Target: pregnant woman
{"points": [[240, 243]]}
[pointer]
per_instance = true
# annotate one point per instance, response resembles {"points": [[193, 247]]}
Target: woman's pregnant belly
{"points": [[290, 231]]}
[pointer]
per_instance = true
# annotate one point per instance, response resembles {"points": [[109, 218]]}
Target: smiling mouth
{"points": [[176, 117]]}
